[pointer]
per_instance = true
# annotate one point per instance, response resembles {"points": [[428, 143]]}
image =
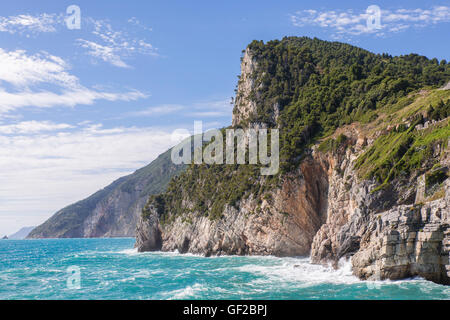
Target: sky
{"points": [[82, 105]]}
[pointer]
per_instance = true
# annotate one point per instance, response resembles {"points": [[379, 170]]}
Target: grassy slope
{"points": [[402, 150]]}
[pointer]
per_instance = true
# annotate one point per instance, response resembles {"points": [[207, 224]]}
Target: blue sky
{"points": [[80, 108]]}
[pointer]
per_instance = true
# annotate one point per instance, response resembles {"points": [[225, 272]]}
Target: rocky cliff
{"points": [[364, 166], [395, 232], [283, 223], [114, 210]]}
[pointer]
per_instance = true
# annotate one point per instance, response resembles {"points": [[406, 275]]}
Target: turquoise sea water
{"points": [[111, 269]]}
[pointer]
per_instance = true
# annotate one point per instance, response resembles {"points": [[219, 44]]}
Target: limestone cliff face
{"points": [[392, 233], [248, 93], [407, 241], [148, 233], [117, 214], [245, 106], [283, 225]]}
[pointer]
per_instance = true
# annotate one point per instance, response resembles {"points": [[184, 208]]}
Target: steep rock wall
{"points": [[391, 233], [283, 225]]}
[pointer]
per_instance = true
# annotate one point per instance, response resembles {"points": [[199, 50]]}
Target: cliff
{"points": [[21, 234], [283, 222], [398, 231], [364, 166], [114, 210]]}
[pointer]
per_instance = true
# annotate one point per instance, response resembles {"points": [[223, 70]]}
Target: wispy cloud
{"points": [[350, 23], [99, 38], [114, 46], [106, 53], [157, 110], [22, 76], [32, 127], [22, 70], [25, 23], [205, 109], [68, 98], [216, 108], [135, 21]]}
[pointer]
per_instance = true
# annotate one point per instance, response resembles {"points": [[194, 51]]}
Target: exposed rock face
{"points": [[407, 241], [446, 87], [148, 233], [116, 215], [403, 241], [283, 226], [346, 209], [244, 104]]}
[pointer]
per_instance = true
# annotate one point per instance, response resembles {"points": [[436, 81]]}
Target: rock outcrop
{"points": [[245, 106], [148, 233], [409, 239]]}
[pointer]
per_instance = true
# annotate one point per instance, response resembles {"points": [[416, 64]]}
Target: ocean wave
{"points": [[187, 292], [301, 271], [133, 251]]}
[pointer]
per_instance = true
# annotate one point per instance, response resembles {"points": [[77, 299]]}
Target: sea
{"points": [[99, 269]]}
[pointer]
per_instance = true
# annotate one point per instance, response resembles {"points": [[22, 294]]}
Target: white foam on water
{"points": [[131, 252], [185, 293], [301, 271], [176, 253], [129, 279]]}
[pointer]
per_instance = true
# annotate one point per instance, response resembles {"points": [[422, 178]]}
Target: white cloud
{"points": [[69, 98], [217, 108], [27, 127], [24, 72], [99, 38], [107, 54], [158, 110], [135, 21], [214, 108], [46, 171], [114, 46], [25, 23], [346, 22], [20, 69]]}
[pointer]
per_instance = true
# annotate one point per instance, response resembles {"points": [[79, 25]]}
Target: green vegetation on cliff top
{"points": [[407, 146], [320, 86]]}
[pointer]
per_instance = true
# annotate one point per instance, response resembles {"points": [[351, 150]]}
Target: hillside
{"points": [[114, 210], [21, 234], [364, 165]]}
